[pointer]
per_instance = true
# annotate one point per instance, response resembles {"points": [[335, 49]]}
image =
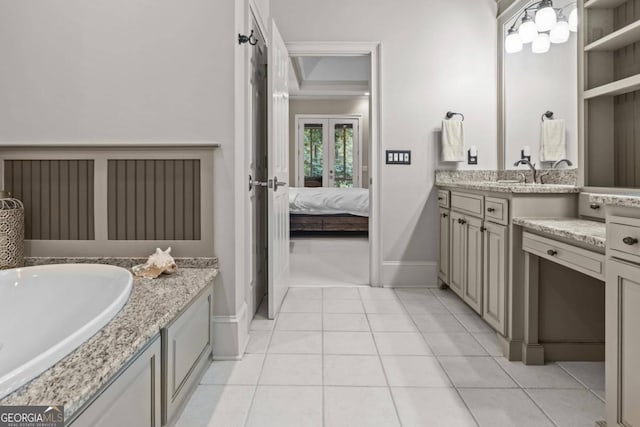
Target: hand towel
{"points": [[553, 140], [452, 141]]}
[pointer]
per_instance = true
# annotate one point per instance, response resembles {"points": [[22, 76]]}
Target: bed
{"points": [[321, 209]]}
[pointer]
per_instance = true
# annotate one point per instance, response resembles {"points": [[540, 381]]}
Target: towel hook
{"points": [[548, 114], [450, 114], [242, 38]]}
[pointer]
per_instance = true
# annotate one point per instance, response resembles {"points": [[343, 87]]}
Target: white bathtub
{"points": [[48, 311]]}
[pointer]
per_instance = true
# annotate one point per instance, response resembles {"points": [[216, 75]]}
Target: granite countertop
{"points": [[592, 233], [500, 187], [625, 200], [152, 305]]}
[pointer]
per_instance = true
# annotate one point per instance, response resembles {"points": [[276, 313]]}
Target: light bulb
{"points": [[545, 16], [528, 30], [541, 44], [513, 42], [573, 20], [560, 32]]}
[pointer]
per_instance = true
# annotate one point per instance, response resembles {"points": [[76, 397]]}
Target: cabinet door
{"points": [[473, 277], [132, 399], [443, 272], [495, 276], [622, 344], [457, 253]]}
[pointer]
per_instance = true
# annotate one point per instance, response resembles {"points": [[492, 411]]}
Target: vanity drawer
{"points": [[573, 257], [589, 209], [443, 198], [496, 210], [623, 238], [472, 204]]}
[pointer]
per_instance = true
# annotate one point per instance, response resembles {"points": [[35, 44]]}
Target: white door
{"points": [[278, 167]]}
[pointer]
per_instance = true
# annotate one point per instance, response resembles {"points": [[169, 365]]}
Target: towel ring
{"points": [[547, 114], [450, 114]]}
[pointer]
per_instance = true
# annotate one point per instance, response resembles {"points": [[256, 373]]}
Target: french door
{"points": [[328, 152]]}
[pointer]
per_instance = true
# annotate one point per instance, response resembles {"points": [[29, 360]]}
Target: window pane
{"points": [[313, 155], [343, 168]]}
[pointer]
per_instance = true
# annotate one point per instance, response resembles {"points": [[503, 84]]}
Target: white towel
{"points": [[452, 141], [553, 141]]}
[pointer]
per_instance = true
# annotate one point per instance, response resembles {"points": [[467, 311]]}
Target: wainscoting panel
{"points": [[153, 199], [57, 195]]}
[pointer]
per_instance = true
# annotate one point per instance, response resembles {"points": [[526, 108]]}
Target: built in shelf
{"points": [[623, 37], [619, 87], [603, 4]]}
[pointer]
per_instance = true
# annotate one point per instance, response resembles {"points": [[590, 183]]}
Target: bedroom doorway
{"points": [[330, 160]]}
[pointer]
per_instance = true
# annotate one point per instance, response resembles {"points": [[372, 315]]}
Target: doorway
{"points": [[332, 160]]}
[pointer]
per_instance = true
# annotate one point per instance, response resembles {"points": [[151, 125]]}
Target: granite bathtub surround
{"points": [[623, 200], [120, 262], [592, 233], [152, 305], [550, 176]]}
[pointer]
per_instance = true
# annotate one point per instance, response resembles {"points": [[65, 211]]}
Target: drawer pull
{"points": [[462, 221], [594, 206], [551, 252], [630, 241], [444, 215], [491, 209]]}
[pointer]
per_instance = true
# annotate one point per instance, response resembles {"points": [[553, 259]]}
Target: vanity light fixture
{"points": [[545, 16], [513, 42], [541, 44], [548, 25], [561, 32]]}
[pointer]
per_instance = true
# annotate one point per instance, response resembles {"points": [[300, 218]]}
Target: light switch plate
{"points": [[398, 157]]}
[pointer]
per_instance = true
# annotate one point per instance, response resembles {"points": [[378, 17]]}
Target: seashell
{"points": [[158, 263]]}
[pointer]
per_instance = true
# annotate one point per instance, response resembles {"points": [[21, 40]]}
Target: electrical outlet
{"points": [[398, 157]]}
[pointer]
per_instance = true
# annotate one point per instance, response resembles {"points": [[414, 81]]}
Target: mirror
{"points": [[537, 77]]}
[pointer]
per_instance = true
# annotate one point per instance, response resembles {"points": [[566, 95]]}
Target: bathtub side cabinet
{"points": [[152, 388], [133, 398]]}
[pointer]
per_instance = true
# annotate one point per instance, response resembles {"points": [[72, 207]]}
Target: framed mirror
{"points": [[538, 84]]}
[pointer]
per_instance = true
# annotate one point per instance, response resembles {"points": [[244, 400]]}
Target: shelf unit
{"points": [[603, 4], [616, 40], [610, 93]]}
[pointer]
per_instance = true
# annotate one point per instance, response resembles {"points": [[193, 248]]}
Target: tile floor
{"points": [[359, 356], [342, 261]]}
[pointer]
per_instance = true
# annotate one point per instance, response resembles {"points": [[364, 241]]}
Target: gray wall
{"points": [[436, 56], [358, 106]]}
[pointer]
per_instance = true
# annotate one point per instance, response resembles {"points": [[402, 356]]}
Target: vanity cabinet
{"points": [[622, 320], [468, 260], [132, 399], [443, 265], [495, 258]]}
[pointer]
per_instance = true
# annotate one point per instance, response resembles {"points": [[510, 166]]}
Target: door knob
{"points": [[277, 183], [253, 183]]}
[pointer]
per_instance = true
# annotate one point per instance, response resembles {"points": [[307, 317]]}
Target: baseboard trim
{"points": [[588, 352], [409, 274], [230, 334]]}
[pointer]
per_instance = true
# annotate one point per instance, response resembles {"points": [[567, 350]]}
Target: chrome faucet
{"points": [[559, 162], [532, 166]]}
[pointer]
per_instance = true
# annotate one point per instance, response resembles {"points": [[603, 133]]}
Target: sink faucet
{"points": [[532, 166], [559, 162]]}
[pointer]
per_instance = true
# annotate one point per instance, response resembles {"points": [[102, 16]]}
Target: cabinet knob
{"points": [[440, 198], [630, 241], [491, 209], [462, 221], [444, 215], [483, 229], [594, 206], [551, 252]]}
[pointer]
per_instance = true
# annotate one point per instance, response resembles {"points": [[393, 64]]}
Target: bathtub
{"points": [[48, 311]]}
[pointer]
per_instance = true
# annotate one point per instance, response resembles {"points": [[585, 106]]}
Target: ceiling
{"points": [[329, 75]]}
